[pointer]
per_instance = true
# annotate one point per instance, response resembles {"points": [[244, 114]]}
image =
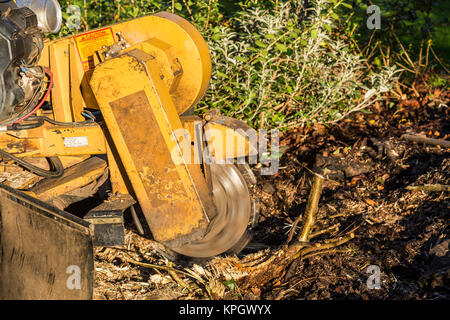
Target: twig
{"points": [[428, 53], [319, 247], [262, 120], [360, 52], [188, 8], [177, 279], [431, 141], [209, 13], [420, 52], [331, 229], [430, 188], [370, 41], [416, 93], [325, 252], [406, 68], [311, 208], [406, 53], [157, 267], [439, 60], [352, 230]]}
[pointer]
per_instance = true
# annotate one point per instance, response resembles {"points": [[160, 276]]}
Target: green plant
{"points": [[413, 34], [275, 69]]}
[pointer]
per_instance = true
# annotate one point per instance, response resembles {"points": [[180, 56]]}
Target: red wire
{"points": [[50, 86]]}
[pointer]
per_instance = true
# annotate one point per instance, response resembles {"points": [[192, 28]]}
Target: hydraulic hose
{"points": [[55, 161]]}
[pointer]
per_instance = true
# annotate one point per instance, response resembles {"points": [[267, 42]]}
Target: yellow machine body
{"points": [[142, 75]]}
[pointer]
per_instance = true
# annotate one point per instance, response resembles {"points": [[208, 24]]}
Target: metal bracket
{"points": [[107, 221]]}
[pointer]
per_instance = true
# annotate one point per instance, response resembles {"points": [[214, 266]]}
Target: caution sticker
{"points": [[90, 42]]}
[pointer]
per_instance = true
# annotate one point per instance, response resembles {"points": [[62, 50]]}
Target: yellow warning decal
{"points": [[90, 42]]}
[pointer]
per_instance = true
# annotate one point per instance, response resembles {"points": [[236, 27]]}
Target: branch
{"points": [[421, 139], [430, 188], [311, 208]]}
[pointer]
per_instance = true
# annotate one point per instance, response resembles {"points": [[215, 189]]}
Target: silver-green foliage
{"points": [[287, 68]]}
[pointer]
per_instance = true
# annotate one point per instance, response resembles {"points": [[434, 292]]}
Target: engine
{"points": [[22, 81], [20, 48]]}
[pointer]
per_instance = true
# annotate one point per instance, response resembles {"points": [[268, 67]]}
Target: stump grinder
{"points": [[89, 130]]}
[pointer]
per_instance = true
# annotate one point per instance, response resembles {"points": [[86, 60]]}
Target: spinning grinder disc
{"points": [[234, 213]]}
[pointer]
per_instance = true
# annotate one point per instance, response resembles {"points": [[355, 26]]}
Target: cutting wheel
{"points": [[235, 212]]}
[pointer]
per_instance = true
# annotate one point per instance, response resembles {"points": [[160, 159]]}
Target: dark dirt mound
{"points": [[369, 167]]}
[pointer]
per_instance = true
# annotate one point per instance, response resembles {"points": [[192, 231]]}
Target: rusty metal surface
{"points": [[44, 251], [142, 118], [172, 213]]}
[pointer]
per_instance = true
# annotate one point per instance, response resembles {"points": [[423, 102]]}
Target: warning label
{"points": [[75, 142], [90, 42]]}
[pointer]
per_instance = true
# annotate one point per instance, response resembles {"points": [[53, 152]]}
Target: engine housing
{"points": [[20, 48]]}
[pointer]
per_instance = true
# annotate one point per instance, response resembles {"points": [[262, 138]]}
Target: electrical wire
{"points": [[59, 123], [39, 122], [47, 93], [26, 126], [54, 161]]}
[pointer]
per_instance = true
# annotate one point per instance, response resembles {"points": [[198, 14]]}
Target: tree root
{"points": [[430, 141], [302, 248], [311, 208], [331, 229], [325, 246], [429, 188], [169, 269], [312, 254]]}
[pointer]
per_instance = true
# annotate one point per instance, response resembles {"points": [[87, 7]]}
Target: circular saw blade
{"points": [[234, 204]]}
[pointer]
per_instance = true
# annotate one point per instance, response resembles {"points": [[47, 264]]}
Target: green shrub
{"points": [[418, 28], [274, 69]]}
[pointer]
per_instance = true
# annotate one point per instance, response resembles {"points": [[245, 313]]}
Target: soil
{"points": [[368, 166]]}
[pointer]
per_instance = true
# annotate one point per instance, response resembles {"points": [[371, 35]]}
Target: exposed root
{"points": [[302, 248], [311, 209], [325, 246], [169, 269], [430, 188], [177, 279], [331, 229], [430, 141], [312, 254]]}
